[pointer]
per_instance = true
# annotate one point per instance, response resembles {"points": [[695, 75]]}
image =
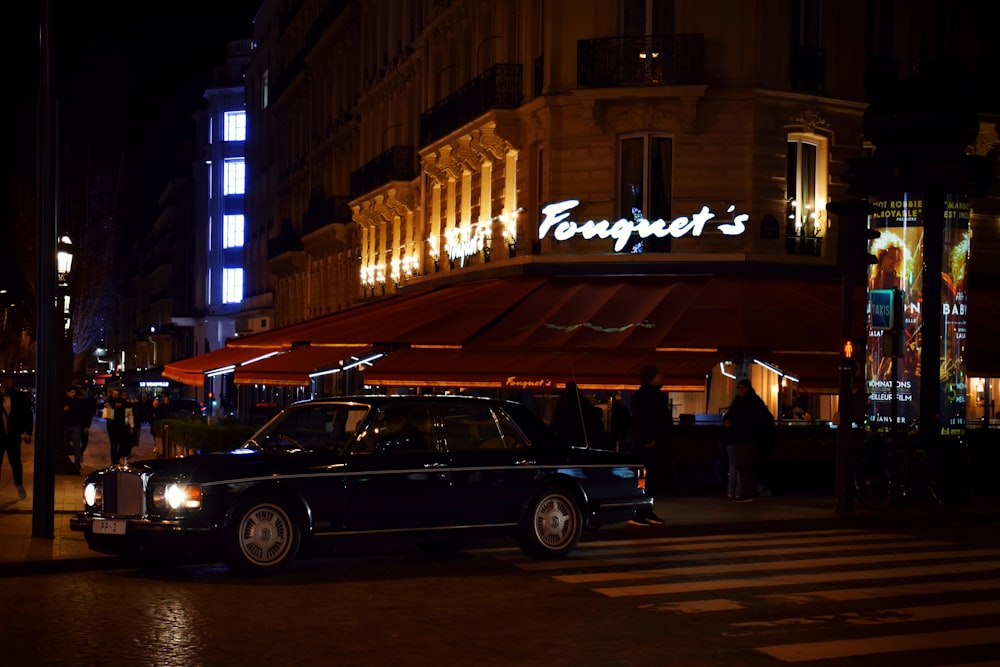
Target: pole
{"points": [[853, 216], [46, 414]]}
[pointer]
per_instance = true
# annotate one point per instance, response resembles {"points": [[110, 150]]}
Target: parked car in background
{"points": [[434, 470]]}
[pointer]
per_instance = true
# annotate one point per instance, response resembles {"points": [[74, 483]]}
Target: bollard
{"points": [[165, 438]]}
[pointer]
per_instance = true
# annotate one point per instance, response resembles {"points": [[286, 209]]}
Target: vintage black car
{"points": [[433, 470]]}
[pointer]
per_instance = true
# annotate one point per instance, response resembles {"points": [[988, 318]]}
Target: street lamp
{"points": [[64, 264]]}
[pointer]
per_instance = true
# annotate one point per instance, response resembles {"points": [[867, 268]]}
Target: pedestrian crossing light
{"points": [[848, 349]]}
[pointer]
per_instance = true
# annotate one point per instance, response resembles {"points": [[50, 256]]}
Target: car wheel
{"points": [[551, 525], [262, 537]]}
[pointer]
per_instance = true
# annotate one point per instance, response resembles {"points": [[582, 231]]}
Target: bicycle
{"points": [[894, 466]]}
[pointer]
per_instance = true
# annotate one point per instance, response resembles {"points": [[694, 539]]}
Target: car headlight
{"points": [[92, 494], [177, 496]]}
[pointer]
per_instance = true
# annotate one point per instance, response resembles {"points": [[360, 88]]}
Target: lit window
{"points": [[645, 173], [232, 285], [806, 185], [235, 126], [234, 177], [232, 231]]}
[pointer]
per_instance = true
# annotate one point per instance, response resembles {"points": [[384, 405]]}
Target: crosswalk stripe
{"points": [[797, 579], [711, 605], [764, 566], [874, 592], [657, 557], [846, 648]]}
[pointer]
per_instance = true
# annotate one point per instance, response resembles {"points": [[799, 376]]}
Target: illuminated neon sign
{"points": [[555, 219]]}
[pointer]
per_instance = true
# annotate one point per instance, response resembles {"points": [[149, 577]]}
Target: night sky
{"points": [[127, 79]]}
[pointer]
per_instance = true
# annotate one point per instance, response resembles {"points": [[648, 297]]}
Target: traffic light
{"points": [[848, 349]]}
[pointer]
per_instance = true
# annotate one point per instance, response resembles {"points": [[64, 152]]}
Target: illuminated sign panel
{"points": [[899, 251], [555, 219]]}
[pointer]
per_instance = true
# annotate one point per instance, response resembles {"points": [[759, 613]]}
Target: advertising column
{"points": [[899, 253]]}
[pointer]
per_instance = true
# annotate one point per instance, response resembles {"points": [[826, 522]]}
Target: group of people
{"points": [[122, 414], [646, 431]]}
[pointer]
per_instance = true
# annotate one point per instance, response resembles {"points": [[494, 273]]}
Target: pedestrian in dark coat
{"points": [[578, 421], [746, 422], [16, 427], [649, 438]]}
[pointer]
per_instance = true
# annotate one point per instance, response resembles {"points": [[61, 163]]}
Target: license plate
{"points": [[109, 527]]}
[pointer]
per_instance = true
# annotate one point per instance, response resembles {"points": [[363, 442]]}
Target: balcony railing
{"points": [[323, 212], [649, 60], [807, 70], [287, 240], [499, 87], [393, 164]]}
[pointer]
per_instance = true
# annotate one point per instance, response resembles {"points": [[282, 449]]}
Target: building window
{"points": [[234, 177], [645, 173], [806, 193], [232, 231], [232, 285], [807, 69], [235, 126]]}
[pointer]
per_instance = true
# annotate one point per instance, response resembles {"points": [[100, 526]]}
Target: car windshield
{"points": [[318, 426]]}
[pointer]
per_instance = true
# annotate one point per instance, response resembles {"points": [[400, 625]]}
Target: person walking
{"points": [[745, 422], [118, 415], [88, 410], [72, 414], [649, 436], [16, 427]]}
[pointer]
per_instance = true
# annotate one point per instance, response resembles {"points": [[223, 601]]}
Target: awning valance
{"points": [[539, 370]]}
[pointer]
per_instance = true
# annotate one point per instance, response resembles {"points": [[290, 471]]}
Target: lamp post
{"points": [[43, 497]]}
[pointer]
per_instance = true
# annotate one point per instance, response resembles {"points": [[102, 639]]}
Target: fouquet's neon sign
{"points": [[555, 219]]}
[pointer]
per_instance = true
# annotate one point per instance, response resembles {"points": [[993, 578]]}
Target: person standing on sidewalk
{"points": [[16, 427], [650, 436], [745, 422]]}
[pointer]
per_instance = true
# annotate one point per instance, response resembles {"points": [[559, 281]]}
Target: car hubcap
{"points": [[553, 521], [265, 534]]}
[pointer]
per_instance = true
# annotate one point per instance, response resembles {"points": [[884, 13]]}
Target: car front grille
{"points": [[124, 494]]}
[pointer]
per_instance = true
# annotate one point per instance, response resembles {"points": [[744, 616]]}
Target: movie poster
{"points": [[899, 265]]}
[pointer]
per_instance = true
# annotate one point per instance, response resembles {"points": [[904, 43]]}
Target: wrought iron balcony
{"points": [[393, 164], [648, 60], [287, 240], [499, 87], [324, 211]]}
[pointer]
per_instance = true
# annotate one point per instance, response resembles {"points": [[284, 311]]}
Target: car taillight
{"points": [[642, 478]]}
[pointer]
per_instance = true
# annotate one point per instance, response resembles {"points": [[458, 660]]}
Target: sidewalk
{"points": [[684, 515], [16, 542]]}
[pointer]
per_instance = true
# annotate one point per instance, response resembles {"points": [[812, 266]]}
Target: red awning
{"points": [[539, 370], [294, 367], [673, 312], [192, 371], [446, 315]]}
